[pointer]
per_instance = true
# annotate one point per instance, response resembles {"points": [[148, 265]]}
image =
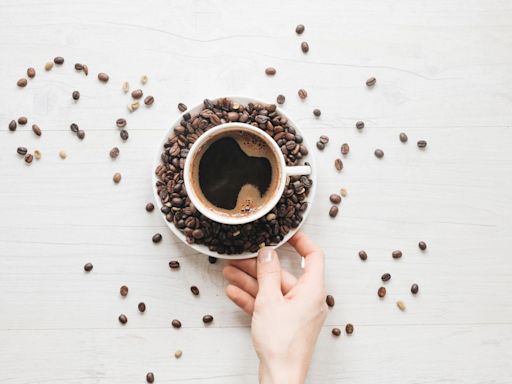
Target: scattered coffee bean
{"points": [[59, 60], [88, 267], [48, 66], [349, 329], [414, 289], [317, 112], [345, 149], [174, 264], [320, 145], [324, 139], [299, 29], [133, 106], [74, 127], [124, 134], [75, 95], [401, 305], [137, 94], [333, 212], [21, 82], [360, 124], [182, 107], [280, 99], [116, 177], [13, 125], [62, 154], [379, 153], [125, 87], [381, 292], [29, 158], [79, 67], [422, 144], [144, 79], [121, 123], [422, 245], [329, 300], [142, 307], [103, 77], [114, 152], [81, 134], [212, 259], [22, 151], [194, 290], [123, 319], [302, 93], [149, 100], [157, 237], [178, 354], [36, 130], [176, 323], [270, 71], [371, 82], [37, 154], [150, 207], [336, 332], [123, 290], [86, 69], [385, 277], [304, 46], [396, 254], [403, 137], [207, 319], [31, 72], [22, 120], [150, 378], [343, 192], [363, 255], [335, 199], [338, 164]]}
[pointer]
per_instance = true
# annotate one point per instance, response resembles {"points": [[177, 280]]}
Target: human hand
{"points": [[287, 313]]}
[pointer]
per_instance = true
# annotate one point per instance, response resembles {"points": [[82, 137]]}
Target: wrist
{"points": [[282, 372]]}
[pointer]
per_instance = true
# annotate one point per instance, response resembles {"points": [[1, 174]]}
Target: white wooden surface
{"points": [[444, 75]]}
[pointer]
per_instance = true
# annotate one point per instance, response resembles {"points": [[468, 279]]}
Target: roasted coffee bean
{"points": [[379, 153], [320, 145], [103, 77], [74, 127], [31, 72], [22, 151], [194, 290], [79, 67], [75, 95], [401, 305], [176, 323], [178, 354], [381, 292], [333, 212], [396, 254], [123, 319], [385, 277], [304, 46], [81, 134], [345, 149], [335, 199], [359, 124], [36, 130], [299, 29], [324, 139], [123, 290], [121, 123], [62, 154], [338, 164], [37, 154], [116, 177], [302, 93], [371, 82], [174, 264], [280, 99], [88, 267], [270, 71], [336, 332], [363, 255], [329, 300], [22, 120], [150, 378], [349, 329], [182, 107], [29, 158], [403, 137], [207, 319], [137, 94], [21, 82], [422, 144], [422, 245], [157, 237], [59, 60], [124, 134], [317, 112], [149, 100], [48, 66], [86, 69], [142, 307], [114, 152], [13, 125], [212, 259], [150, 207], [414, 289]]}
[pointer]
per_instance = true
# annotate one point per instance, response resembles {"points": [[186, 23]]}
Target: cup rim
{"points": [[201, 248]]}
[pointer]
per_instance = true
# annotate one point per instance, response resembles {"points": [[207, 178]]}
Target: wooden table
{"points": [[443, 72]]}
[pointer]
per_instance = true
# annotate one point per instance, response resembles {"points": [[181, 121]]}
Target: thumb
{"points": [[269, 272]]}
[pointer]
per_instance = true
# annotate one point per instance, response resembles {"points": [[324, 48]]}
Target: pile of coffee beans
{"points": [[223, 238]]}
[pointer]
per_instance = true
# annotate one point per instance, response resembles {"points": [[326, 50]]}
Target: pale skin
{"points": [[287, 312]]}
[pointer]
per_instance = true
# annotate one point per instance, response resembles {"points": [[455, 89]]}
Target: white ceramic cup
{"points": [[217, 133]]}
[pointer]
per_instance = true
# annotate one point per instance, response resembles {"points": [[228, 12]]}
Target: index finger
{"points": [[313, 255]]}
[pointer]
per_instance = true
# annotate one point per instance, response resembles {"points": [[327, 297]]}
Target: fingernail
{"points": [[265, 255]]}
